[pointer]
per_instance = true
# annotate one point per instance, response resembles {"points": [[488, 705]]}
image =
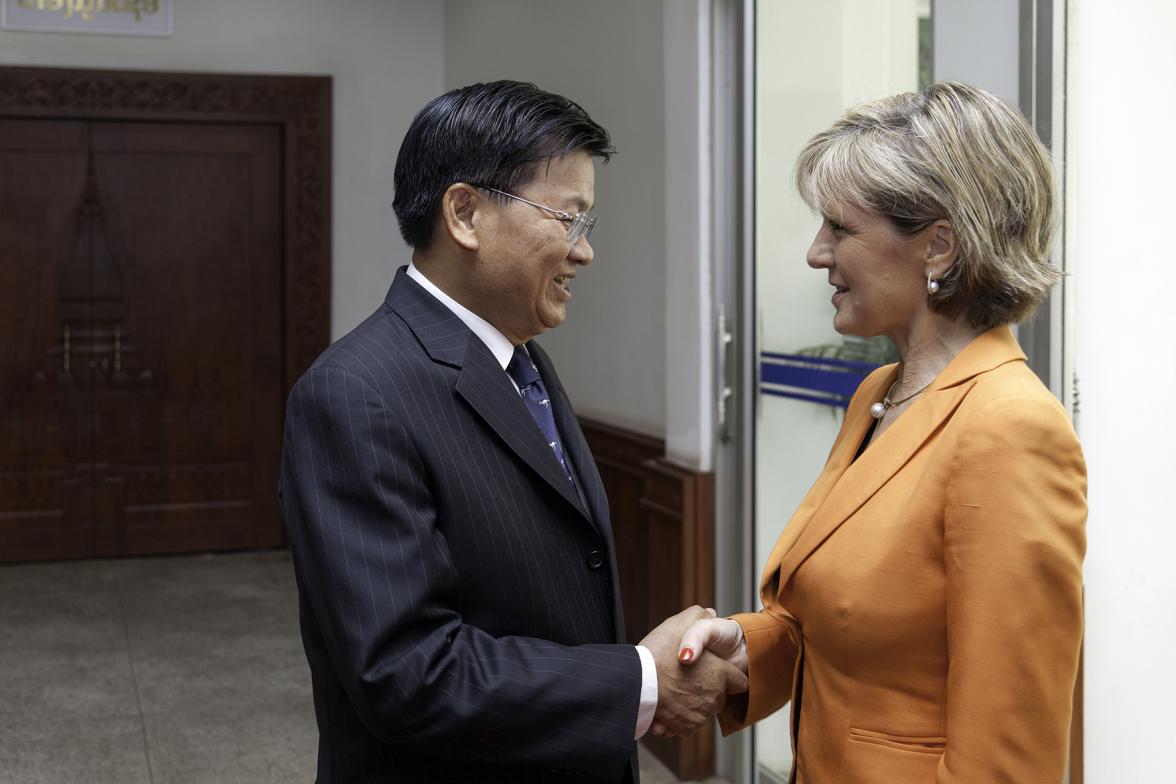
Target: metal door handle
{"points": [[117, 348], [723, 340], [65, 347]]}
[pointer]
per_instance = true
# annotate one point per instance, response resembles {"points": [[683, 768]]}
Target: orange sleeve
{"points": [[773, 647]]}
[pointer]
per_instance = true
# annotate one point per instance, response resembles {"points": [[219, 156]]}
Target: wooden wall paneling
{"points": [[620, 455], [678, 509], [663, 523]]}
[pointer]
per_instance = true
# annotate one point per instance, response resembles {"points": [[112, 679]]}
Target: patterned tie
{"points": [[534, 395]]}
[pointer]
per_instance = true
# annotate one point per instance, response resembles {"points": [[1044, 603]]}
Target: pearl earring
{"points": [[932, 285]]}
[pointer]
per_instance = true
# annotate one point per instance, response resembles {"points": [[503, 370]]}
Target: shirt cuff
{"points": [[648, 705]]}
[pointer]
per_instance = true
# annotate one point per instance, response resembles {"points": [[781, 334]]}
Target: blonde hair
{"points": [[957, 152]]}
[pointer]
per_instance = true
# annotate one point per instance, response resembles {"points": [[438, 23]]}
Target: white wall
{"points": [[1123, 66], [606, 56], [386, 59], [689, 278]]}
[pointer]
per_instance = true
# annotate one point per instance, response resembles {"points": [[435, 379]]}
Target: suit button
{"points": [[595, 559]]}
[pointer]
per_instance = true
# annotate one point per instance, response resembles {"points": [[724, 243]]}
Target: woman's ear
{"points": [[942, 248], [459, 205]]}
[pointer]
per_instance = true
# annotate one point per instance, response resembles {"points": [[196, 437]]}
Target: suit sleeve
{"points": [[773, 647], [1014, 539], [374, 567]]}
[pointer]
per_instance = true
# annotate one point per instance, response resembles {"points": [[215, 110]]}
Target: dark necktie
{"points": [[534, 395]]}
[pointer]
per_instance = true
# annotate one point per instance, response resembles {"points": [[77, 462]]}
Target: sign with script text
{"points": [[102, 17]]}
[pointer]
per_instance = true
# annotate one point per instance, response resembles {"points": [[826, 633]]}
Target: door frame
{"points": [[299, 105]]}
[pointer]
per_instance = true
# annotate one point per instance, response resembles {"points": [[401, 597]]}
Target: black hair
{"points": [[491, 134]]}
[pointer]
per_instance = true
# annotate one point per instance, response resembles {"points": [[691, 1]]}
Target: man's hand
{"points": [[687, 697]]}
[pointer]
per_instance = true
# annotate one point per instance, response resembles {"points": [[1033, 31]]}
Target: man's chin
{"points": [[554, 317]]}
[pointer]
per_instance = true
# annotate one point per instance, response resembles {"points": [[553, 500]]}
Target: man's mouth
{"points": [[564, 281]]}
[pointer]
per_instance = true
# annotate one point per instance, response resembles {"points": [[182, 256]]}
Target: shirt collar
{"points": [[499, 345]]}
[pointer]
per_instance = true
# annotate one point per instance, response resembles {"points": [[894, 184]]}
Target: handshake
{"points": [[700, 660]]}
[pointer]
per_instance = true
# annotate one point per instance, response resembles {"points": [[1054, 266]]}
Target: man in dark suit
{"points": [[458, 584]]}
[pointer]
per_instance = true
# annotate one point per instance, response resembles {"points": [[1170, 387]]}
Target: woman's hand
{"points": [[721, 636]]}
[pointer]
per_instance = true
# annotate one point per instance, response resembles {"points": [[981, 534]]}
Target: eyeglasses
{"points": [[579, 225]]}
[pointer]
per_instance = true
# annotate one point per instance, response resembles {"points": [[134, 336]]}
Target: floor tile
{"points": [[219, 594], [66, 576], [259, 744], [177, 573], [75, 620], [48, 683], [226, 676], [65, 749], [654, 772]]}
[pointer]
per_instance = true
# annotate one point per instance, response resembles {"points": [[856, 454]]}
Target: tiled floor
{"points": [[177, 670], [184, 670]]}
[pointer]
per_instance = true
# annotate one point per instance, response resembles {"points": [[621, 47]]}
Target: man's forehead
{"points": [[570, 179]]}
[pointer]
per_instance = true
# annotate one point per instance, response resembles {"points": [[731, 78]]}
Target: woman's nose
{"points": [[819, 254]]}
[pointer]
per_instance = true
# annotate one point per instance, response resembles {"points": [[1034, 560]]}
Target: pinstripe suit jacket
{"points": [[459, 603]]}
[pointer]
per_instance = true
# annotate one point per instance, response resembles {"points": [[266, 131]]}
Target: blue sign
{"points": [[815, 379]]}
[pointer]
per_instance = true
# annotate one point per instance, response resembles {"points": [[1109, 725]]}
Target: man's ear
{"points": [[942, 248], [459, 205]]}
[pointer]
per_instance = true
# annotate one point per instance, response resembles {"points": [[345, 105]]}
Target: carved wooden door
{"points": [[141, 383], [46, 425]]}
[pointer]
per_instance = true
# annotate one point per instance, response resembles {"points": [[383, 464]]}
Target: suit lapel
{"points": [[487, 388], [576, 450], [481, 382], [845, 484], [575, 446]]}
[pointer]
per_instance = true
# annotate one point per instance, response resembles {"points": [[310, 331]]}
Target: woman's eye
{"points": [[835, 226]]}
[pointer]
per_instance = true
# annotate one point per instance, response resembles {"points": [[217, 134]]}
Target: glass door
{"points": [[812, 60]]}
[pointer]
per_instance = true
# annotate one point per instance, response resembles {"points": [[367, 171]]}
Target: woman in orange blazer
{"points": [[923, 607]]}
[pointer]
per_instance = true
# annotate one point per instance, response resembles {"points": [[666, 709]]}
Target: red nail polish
{"points": [[686, 655]]}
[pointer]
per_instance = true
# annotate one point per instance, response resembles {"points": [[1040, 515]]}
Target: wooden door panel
{"points": [[185, 471], [45, 418], [187, 433]]}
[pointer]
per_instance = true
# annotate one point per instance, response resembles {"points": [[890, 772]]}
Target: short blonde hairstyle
{"points": [[957, 152]]}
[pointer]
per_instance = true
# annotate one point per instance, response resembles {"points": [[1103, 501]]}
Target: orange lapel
{"points": [[846, 484]]}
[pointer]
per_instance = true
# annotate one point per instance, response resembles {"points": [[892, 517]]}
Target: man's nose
{"points": [[581, 251]]}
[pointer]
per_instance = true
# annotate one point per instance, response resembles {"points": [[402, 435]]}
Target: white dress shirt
{"points": [[502, 349]]}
